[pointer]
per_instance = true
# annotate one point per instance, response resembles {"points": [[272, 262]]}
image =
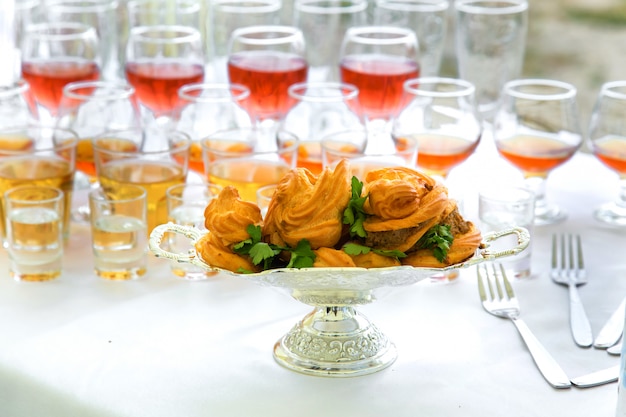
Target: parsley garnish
{"points": [[438, 238], [354, 215], [302, 256], [356, 249]]}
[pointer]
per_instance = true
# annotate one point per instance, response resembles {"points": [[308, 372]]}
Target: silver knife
{"points": [[604, 376], [612, 330]]}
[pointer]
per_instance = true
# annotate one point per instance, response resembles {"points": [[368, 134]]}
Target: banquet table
{"points": [[162, 346]]}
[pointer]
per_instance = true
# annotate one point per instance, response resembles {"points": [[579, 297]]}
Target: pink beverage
{"points": [[379, 79], [157, 82], [268, 75], [48, 77]]}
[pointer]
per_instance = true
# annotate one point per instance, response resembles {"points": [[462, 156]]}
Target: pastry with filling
{"points": [[306, 206]]}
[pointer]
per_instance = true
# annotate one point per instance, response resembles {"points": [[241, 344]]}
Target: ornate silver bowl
{"points": [[335, 339]]}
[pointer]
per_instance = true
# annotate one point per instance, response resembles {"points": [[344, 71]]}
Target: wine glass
{"points": [[207, 108], [227, 15], [537, 129], [378, 60], [443, 117], [99, 14], [322, 108], [429, 20], [55, 54], [607, 141], [17, 106], [267, 60], [90, 109], [323, 22], [159, 60]]}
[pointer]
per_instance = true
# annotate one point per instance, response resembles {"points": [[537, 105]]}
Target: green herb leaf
{"points": [[354, 249], [302, 256], [439, 239], [391, 253], [354, 215]]}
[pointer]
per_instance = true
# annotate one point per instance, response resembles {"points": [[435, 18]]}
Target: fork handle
{"points": [[579, 323], [549, 368]]}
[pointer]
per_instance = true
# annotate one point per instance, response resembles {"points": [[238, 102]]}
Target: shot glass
{"points": [[490, 46], [34, 232], [118, 233], [264, 197], [502, 207], [185, 205]]}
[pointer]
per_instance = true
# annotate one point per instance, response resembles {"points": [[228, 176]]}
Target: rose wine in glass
{"points": [[607, 141], [160, 60], [537, 129], [378, 60], [267, 60], [54, 55], [442, 115]]}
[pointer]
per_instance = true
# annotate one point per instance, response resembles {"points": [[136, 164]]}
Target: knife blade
{"points": [[616, 349], [612, 330], [604, 376]]}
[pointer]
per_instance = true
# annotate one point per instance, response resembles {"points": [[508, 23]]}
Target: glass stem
{"points": [[538, 186]]}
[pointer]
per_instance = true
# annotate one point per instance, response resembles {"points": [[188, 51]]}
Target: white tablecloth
{"points": [[163, 347]]}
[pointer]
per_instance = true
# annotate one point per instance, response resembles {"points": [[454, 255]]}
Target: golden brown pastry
{"points": [[210, 248], [305, 206], [402, 205], [463, 247], [328, 257], [374, 260], [227, 216]]}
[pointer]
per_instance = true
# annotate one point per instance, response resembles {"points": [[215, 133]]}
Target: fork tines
{"points": [[566, 261], [492, 278]]}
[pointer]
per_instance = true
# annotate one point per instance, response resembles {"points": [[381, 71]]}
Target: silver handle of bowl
{"points": [[523, 240], [158, 234]]}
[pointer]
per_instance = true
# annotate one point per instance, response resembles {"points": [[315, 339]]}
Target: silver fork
{"points": [[569, 269], [498, 298]]}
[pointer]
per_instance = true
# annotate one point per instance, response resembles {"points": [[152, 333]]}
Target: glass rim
{"points": [[232, 92], [58, 194], [122, 90], [414, 5], [192, 5], [568, 90], [290, 33], [221, 135], [464, 87], [340, 8], [76, 6], [402, 35], [345, 91], [182, 33], [69, 142], [503, 7], [609, 89], [99, 195], [496, 193], [181, 144], [48, 30], [169, 193], [235, 6]]}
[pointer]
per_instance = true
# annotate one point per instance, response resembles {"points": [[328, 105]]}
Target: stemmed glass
{"points": [[607, 141], [322, 108], [267, 60], [207, 108], [537, 129], [323, 22], [225, 16], [54, 55], [159, 60], [443, 117], [378, 60], [429, 20], [90, 109]]}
